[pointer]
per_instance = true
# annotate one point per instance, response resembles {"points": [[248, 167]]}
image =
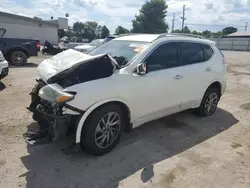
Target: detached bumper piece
{"points": [[4, 73]]}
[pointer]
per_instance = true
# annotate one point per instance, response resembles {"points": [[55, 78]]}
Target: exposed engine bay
{"points": [[48, 98]]}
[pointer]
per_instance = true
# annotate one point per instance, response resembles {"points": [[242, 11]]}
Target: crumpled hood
{"points": [[63, 61]]}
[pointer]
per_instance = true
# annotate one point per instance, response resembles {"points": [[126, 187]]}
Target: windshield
{"points": [[122, 51]]}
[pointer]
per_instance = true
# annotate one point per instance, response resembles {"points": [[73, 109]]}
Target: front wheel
{"points": [[209, 102], [103, 130]]}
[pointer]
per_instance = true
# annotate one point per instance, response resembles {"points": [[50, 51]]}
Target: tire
{"points": [[18, 58], [203, 111], [92, 131]]}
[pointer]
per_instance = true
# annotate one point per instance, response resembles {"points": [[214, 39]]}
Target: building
{"points": [[239, 34], [29, 28]]}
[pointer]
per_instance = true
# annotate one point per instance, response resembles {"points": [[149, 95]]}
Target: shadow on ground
{"points": [[151, 143], [27, 65], [2, 86]]}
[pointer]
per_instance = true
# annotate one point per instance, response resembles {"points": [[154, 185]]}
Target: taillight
{"points": [[38, 45]]}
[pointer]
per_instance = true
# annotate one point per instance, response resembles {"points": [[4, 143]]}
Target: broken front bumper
{"points": [[56, 119]]}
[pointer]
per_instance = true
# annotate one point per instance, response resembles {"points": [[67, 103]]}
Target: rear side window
{"points": [[208, 52], [191, 53]]}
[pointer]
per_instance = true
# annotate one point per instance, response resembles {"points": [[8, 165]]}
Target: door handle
{"points": [[178, 77], [208, 69]]}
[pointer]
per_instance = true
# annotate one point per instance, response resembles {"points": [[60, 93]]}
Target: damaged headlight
{"points": [[53, 93]]}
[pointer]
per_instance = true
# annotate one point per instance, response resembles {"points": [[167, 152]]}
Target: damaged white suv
{"points": [[124, 83]]}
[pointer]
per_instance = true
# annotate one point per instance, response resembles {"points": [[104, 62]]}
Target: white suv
{"points": [[124, 83]]}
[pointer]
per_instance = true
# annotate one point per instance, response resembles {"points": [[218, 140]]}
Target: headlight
{"points": [[53, 93]]}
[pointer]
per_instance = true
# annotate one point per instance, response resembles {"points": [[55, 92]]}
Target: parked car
{"points": [[16, 50], [89, 46], [126, 82], [4, 68]]}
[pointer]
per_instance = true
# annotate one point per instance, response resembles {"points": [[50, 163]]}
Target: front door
{"points": [[157, 93]]}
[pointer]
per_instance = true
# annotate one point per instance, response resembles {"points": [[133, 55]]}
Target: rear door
{"points": [[196, 69]]}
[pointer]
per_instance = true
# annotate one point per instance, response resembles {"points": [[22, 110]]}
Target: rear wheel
{"points": [[103, 130], [209, 102], [18, 58]]}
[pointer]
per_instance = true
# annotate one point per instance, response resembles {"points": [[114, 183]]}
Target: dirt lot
{"points": [[177, 151]]}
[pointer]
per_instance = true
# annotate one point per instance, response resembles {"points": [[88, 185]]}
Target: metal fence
{"points": [[238, 44]]}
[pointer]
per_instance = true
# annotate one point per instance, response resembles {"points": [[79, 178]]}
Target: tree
{"points": [[121, 30], [177, 31], [98, 32], [229, 30], [151, 18], [105, 32], [207, 34], [186, 30], [78, 29]]}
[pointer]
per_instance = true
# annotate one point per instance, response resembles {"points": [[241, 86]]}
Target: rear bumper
{"points": [[4, 69]]}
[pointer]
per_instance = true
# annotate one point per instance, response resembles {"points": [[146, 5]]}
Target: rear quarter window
{"points": [[208, 52]]}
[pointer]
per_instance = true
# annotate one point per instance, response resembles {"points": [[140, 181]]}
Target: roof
{"points": [[153, 37], [28, 19], [139, 37], [240, 33]]}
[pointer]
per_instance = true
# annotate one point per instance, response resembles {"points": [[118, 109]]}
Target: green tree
{"points": [[177, 31], [229, 30], [98, 32], [217, 34], [186, 30], [151, 18], [121, 30], [78, 29], [104, 32], [196, 33], [207, 34]]}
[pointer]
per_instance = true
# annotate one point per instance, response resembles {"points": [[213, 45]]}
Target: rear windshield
{"points": [[121, 51]]}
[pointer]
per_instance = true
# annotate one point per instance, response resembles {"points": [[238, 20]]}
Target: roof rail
{"points": [[179, 34]]}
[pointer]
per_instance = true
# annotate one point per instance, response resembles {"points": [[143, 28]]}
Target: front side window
{"points": [[165, 56], [191, 53]]}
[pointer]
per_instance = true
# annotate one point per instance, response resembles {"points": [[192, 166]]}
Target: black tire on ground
{"points": [[18, 58], [88, 137], [211, 92]]}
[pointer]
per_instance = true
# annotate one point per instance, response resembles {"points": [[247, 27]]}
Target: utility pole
{"points": [[183, 17], [246, 26], [173, 22]]}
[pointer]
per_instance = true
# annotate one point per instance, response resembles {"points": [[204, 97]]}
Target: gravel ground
{"points": [[177, 151]]}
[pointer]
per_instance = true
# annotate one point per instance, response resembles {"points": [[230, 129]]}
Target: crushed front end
{"points": [[51, 111]]}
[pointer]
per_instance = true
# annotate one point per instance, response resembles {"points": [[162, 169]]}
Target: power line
{"points": [[183, 17], [173, 21]]}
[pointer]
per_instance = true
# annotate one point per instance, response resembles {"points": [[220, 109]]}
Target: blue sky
{"points": [[120, 12]]}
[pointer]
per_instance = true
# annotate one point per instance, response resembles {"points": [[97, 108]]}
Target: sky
{"points": [[212, 15]]}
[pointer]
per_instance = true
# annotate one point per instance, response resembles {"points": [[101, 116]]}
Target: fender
{"points": [[89, 111]]}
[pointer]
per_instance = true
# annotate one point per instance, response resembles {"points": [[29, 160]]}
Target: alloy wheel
{"points": [[211, 103], [107, 129]]}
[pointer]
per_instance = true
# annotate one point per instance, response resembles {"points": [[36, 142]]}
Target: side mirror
{"points": [[142, 69]]}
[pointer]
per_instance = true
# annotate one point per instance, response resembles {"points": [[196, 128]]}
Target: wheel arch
{"points": [[18, 48], [123, 104], [215, 84]]}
